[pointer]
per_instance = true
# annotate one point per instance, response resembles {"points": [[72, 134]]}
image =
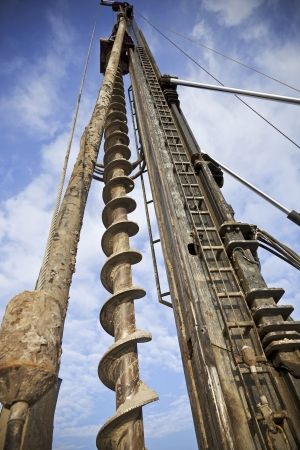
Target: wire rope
{"points": [[41, 277], [197, 42], [276, 247], [218, 81]]}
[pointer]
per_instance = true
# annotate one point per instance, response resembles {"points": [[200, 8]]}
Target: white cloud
{"points": [[255, 31], [223, 129], [201, 30], [36, 98], [69, 447], [160, 425], [84, 431], [282, 60], [232, 12]]}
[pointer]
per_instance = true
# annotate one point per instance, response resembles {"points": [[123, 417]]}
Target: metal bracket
{"points": [[244, 228], [198, 159], [169, 90]]}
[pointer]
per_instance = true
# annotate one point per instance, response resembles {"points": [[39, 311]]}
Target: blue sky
{"points": [[43, 46]]}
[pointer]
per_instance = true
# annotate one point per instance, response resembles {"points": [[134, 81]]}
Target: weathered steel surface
{"points": [[118, 369], [30, 347], [16, 421], [188, 287], [248, 271], [259, 297], [35, 435], [232, 407]]}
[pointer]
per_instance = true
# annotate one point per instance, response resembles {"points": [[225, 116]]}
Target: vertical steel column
{"points": [[228, 377], [118, 369]]}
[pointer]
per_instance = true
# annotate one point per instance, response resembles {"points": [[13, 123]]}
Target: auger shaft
{"points": [[119, 367]]}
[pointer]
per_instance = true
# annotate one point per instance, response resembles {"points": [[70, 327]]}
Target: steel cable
{"points": [[276, 247], [197, 42], [40, 280], [218, 81]]}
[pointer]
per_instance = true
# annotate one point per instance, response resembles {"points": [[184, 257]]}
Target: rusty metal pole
{"points": [[32, 327], [119, 368], [15, 424]]}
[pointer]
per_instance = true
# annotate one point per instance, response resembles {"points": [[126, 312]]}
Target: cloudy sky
{"points": [[43, 46]]}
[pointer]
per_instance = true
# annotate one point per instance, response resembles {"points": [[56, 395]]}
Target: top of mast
{"points": [[119, 6]]}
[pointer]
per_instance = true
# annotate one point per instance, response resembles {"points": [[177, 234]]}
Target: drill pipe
{"points": [[118, 369]]}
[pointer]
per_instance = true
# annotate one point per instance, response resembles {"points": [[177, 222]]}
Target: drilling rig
{"points": [[239, 347]]}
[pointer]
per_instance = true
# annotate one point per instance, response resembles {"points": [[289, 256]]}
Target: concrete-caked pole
{"points": [[32, 328]]}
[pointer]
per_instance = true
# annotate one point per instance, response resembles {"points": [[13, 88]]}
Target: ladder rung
{"points": [[246, 370], [220, 269], [173, 146], [229, 294], [165, 294], [200, 212], [213, 247], [196, 197], [186, 173], [155, 241], [242, 324]]}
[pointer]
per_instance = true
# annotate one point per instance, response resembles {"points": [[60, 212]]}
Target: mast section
{"points": [[232, 333]]}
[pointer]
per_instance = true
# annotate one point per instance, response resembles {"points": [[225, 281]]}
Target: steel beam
{"points": [[229, 90]]}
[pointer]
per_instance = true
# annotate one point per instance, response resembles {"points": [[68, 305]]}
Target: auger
{"points": [[119, 369]]}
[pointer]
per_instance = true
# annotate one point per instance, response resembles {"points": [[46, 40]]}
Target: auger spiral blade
{"points": [[118, 368]]}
